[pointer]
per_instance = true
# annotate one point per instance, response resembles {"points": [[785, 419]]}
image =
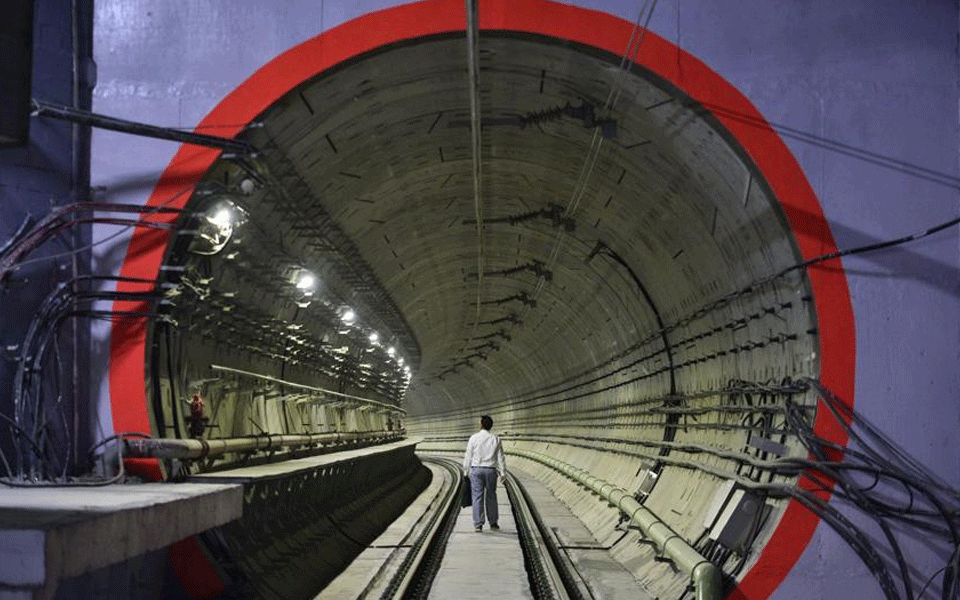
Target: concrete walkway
{"points": [[489, 564], [485, 565], [601, 577]]}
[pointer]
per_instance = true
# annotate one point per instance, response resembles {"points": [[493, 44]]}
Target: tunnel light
{"points": [[216, 226], [348, 316], [374, 337], [247, 186], [306, 282], [391, 350], [221, 218]]}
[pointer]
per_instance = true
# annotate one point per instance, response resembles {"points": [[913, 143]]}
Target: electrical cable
{"points": [[831, 466], [121, 472], [54, 310], [723, 301], [10, 257]]}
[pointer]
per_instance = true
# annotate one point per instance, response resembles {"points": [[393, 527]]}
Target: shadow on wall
{"points": [[897, 262]]}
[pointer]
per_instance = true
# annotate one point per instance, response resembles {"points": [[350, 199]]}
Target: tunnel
{"points": [[553, 215]]}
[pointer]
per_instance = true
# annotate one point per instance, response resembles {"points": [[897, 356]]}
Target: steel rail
{"points": [[418, 569], [549, 575]]}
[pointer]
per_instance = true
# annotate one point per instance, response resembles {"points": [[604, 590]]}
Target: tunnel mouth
{"points": [[538, 371], [647, 252]]}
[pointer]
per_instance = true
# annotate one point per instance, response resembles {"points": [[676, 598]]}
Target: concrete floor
{"points": [[484, 565], [489, 564]]}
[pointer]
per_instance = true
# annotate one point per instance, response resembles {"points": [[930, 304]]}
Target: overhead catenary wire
{"points": [[596, 141], [473, 73]]}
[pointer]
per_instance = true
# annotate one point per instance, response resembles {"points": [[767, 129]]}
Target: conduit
{"points": [[704, 575], [200, 448]]}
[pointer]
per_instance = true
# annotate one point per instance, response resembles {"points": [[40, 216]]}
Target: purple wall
{"points": [[871, 86], [50, 171]]}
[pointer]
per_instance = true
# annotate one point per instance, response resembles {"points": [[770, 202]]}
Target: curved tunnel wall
{"points": [[687, 69]]}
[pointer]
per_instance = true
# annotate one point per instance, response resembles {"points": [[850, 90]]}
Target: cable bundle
{"points": [[931, 507]]}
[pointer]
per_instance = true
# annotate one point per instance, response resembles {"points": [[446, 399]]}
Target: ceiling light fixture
{"points": [[216, 226], [306, 282]]}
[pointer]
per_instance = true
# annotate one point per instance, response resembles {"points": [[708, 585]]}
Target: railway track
{"points": [[409, 570], [552, 575]]}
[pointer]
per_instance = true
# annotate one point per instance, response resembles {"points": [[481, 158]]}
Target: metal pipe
{"points": [[84, 117], [704, 575], [191, 448]]}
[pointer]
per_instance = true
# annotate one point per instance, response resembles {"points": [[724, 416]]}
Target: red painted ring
{"points": [[591, 28]]}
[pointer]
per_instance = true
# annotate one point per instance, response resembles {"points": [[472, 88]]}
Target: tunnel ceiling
{"points": [[612, 206]]}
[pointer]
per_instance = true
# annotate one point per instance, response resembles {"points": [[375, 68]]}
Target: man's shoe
{"points": [[494, 526], [478, 528]]}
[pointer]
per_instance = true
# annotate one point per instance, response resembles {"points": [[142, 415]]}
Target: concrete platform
{"points": [[370, 573], [48, 534], [297, 465]]}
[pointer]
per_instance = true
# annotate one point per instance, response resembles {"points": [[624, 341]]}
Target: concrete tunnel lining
{"points": [[525, 362]]}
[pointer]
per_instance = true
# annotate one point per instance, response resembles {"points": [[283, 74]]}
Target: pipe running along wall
{"points": [[704, 575]]}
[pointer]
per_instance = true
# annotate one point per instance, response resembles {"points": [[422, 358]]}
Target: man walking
{"points": [[483, 464]]}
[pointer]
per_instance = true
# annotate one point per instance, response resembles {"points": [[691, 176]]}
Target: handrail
{"points": [[704, 575]]}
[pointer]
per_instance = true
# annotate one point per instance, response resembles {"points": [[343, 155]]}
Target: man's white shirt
{"points": [[484, 450]]}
